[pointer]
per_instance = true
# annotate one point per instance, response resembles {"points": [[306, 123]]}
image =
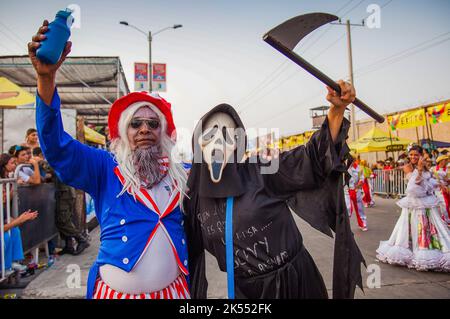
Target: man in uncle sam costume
{"points": [[136, 188]]}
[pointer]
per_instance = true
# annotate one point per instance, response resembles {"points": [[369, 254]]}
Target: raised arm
{"points": [[338, 104], [76, 164], [306, 167]]}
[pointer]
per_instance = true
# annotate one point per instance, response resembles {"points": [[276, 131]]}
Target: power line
{"points": [[291, 107], [20, 45], [353, 8], [281, 68], [273, 75], [330, 26], [407, 56], [6, 48], [400, 55], [343, 7], [332, 44], [17, 40], [392, 62], [13, 33], [384, 5], [403, 51], [319, 54], [328, 47], [306, 45], [291, 75], [306, 48]]}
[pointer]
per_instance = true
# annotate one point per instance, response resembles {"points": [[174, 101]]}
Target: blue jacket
{"points": [[127, 225]]}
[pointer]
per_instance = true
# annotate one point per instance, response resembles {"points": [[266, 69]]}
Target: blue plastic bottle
{"points": [[57, 35]]}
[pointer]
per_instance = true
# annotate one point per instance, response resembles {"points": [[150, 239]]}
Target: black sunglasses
{"points": [[151, 123]]}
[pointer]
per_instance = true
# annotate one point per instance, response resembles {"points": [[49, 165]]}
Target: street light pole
{"points": [[150, 67], [149, 36]]}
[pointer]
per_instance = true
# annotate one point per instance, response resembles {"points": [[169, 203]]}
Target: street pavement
{"points": [[63, 280]]}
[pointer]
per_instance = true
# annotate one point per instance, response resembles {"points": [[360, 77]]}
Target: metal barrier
{"points": [[390, 183], [7, 186], [39, 231], [19, 198], [42, 198]]}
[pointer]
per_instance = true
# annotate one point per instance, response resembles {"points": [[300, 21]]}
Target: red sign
{"points": [[159, 72], [141, 72]]}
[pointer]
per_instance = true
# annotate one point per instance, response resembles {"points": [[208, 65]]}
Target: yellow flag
{"points": [[439, 113], [407, 119]]}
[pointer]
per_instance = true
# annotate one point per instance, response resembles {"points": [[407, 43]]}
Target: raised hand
{"points": [[346, 97], [44, 69], [338, 105], [46, 73]]}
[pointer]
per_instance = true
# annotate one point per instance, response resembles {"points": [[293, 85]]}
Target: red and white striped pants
{"points": [[176, 290]]}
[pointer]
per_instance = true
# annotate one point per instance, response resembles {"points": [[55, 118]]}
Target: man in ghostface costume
{"points": [[268, 258]]}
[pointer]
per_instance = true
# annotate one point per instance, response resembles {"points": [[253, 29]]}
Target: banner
{"points": [[395, 148], [292, 141], [407, 119], [439, 113], [140, 76], [159, 76]]}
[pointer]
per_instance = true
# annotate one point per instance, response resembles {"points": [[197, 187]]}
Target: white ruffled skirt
{"points": [[421, 239]]}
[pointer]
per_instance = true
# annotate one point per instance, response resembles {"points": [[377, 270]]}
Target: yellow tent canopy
{"points": [[12, 95], [377, 141], [93, 136]]}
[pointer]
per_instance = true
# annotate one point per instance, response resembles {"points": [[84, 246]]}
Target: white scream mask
{"points": [[218, 143]]}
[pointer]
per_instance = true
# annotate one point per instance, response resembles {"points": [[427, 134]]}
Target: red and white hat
{"points": [[125, 101]]}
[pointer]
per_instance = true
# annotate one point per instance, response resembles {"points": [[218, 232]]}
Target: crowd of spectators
{"points": [[26, 163], [402, 159], [382, 167]]}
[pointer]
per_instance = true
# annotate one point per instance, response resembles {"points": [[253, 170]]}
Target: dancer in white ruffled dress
{"points": [[420, 239]]}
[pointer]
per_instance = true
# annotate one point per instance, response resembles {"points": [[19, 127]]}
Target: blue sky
{"points": [[219, 56]]}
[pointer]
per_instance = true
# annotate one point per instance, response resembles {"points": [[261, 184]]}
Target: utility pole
{"points": [[350, 67]]}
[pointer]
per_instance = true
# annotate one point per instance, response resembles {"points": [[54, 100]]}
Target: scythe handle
{"points": [[320, 75], [369, 111]]}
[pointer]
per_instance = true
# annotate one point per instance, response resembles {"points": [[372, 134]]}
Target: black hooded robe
{"points": [[269, 256]]}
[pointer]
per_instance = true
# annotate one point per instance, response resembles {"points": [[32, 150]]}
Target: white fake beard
{"points": [[147, 165]]}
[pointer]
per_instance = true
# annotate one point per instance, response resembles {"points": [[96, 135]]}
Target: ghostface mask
{"points": [[218, 143]]}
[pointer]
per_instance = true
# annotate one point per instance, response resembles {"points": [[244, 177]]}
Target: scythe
{"points": [[287, 35]]}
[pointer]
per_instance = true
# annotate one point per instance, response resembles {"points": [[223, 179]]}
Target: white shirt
{"points": [[157, 267], [25, 173]]}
